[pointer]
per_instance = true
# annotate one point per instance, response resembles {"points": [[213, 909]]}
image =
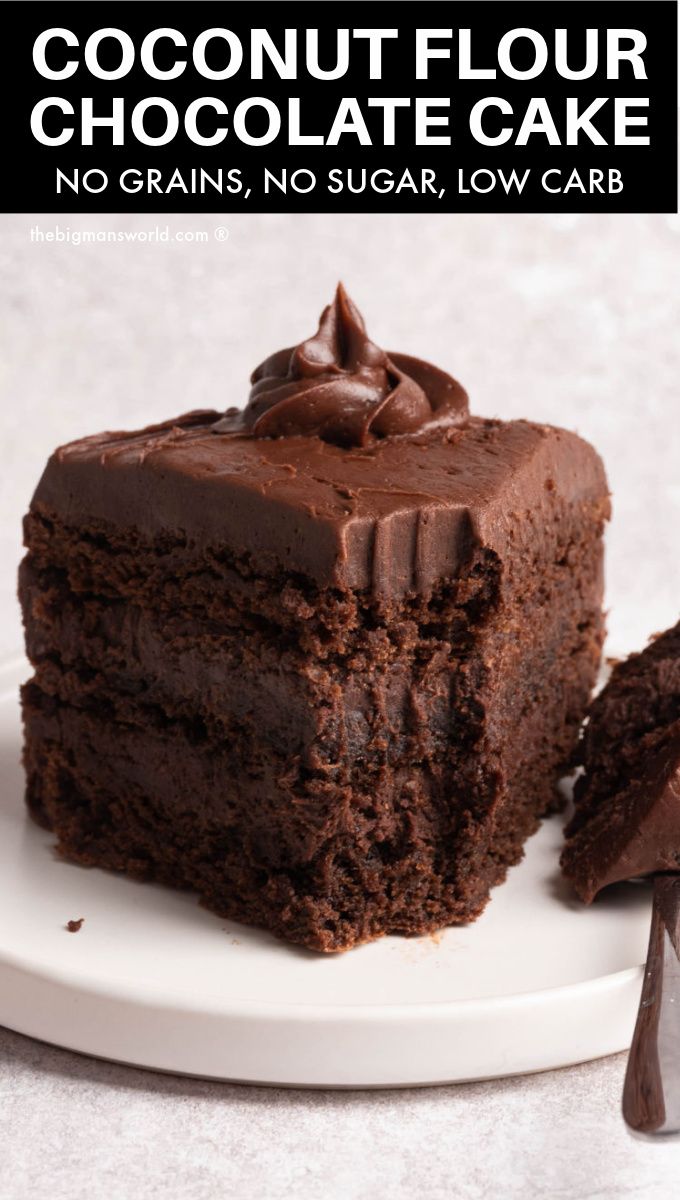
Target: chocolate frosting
{"points": [[341, 387], [350, 467], [638, 833], [627, 803]]}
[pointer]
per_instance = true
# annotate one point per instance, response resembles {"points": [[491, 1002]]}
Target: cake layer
{"points": [[393, 518], [286, 817], [393, 686], [398, 698], [359, 848], [326, 865], [210, 586]]}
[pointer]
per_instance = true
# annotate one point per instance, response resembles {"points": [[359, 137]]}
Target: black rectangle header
{"points": [[432, 107]]}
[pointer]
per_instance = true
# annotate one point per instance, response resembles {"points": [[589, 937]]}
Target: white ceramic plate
{"points": [[155, 980]]}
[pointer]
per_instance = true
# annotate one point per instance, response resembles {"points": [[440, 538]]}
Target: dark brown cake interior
{"points": [[627, 816]]}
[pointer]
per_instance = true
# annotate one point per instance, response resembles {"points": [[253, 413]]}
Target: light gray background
{"points": [[567, 320]]}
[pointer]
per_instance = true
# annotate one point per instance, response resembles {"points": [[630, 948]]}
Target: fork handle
{"points": [[651, 1091]]}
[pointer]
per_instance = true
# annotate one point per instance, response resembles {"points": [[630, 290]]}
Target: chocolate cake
{"points": [[322, 659], [627, 816]]}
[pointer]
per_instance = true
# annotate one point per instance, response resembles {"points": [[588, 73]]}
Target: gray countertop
{"points": [[71, 1127]]}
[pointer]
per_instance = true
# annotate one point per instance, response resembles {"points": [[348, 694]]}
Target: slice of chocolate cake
{"points": [[322, 660], [627, 817]]}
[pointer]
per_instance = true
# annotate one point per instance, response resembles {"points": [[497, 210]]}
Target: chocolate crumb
{"points": [[625, 822], [74, 926]]}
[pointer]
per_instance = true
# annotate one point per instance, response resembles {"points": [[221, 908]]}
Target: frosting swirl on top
{"points": [[341, 387]]}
